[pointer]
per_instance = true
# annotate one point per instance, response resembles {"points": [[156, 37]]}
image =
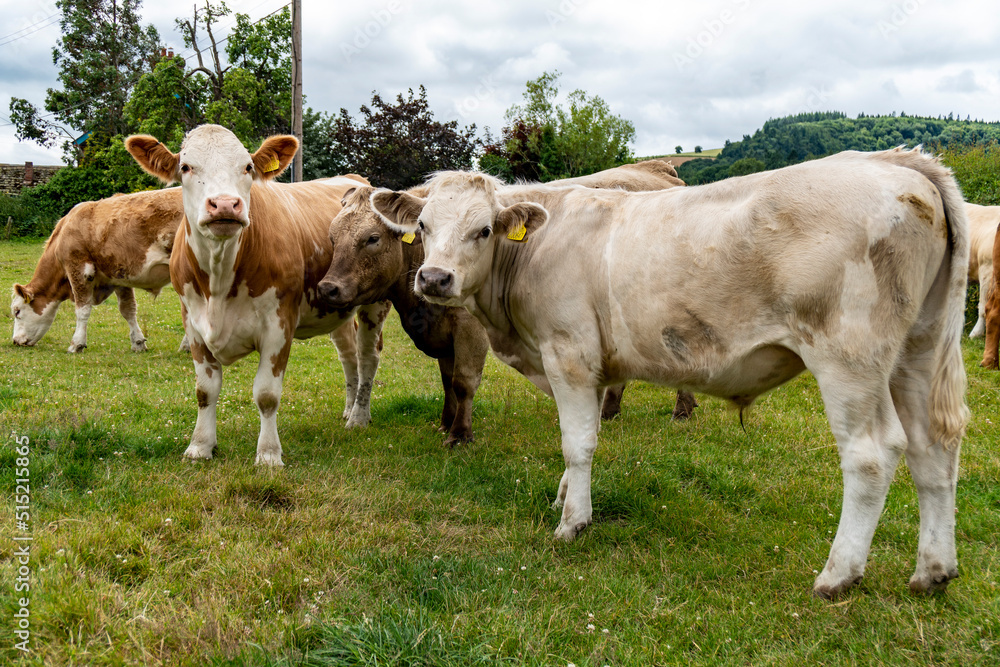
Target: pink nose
{"points": [[224, 207]]}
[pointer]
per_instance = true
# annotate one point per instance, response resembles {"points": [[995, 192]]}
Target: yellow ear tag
{"points": [[518, 234], [409, 237], [273, 165]]}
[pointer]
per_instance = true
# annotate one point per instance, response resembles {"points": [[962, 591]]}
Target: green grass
{"points": [[709, 152], [383, 547]]}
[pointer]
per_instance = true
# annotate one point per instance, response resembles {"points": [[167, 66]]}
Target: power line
{"points": [[32, 29]]}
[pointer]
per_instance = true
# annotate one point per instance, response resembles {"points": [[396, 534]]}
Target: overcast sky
{"points": [[688, 73]]}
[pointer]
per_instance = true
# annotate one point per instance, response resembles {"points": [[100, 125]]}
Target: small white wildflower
{"points": [[523, 568], [590, 627], [306, 580], [795, 615], [580, 578], [436, 558], [168, 521], [604, 631]]}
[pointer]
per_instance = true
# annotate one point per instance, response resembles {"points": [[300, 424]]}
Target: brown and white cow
{"points": [[983, 223], [99, 247], [246, 262], [853, 267]]}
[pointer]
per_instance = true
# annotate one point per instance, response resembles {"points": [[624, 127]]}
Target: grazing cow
{"points": [[853, 267], [246, 263], [99, 247], [983, 223], [991, 350], [372, 262]]}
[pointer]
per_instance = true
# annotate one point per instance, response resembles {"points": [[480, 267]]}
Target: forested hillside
{"points": [[793, 139]]}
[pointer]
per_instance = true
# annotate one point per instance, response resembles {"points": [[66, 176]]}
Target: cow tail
{"points": [[948, 411]]}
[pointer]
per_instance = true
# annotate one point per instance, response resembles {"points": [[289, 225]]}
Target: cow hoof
{"points": [[929, 584], [74, 348], [269, 460], [139, 345], [567, 533], [357, 422], [831, 591], [453, 440], [686, 403], [991, 364], [198, 452]]}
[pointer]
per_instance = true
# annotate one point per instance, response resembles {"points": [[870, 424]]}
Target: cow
{"points": [[113, 245], [991, 353], [637, 177], [372, 262], [983, 223], [853, 267], [246, 262]]}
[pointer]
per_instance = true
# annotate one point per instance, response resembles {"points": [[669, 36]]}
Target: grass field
{"points": [[381, 547]]}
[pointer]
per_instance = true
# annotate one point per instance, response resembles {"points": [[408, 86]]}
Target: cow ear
{"points": [[23, 292], [343, 200], [154, 157], [399, 210], [274, 155], [518, 221]]}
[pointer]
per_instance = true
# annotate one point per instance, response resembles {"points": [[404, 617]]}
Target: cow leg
{"points": [[208, 384], [447, 368], [345, 337], [871, 440], [267, 394], [991, 348], [128, 307], [82, 284], [985, 288], [371, 318], [471, 348], [934, 470], [579, 420], [686, 403], [185, 345], [611, 406]]}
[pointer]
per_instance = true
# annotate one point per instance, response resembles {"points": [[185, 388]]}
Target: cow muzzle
{"points": [[336, 293], [224, 216], [435, 284]]}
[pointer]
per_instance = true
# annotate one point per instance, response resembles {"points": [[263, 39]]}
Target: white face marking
{"points": [[216, 175], [29, 326]]}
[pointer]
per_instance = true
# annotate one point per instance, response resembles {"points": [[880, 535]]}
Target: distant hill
{"points": [[793, 139]]}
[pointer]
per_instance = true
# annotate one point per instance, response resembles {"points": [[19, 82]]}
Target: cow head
{"points": [[215, 172], [32, 315], [461, 222], [367, 254]]}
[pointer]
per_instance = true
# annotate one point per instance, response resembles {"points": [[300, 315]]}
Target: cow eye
{"points": [[185, 169], [17, 311], [420, 225], [485, 233], [373, 239], [250, 167]]}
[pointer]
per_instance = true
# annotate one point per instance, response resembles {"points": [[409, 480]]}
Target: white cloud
{"points": [[758, 59]]}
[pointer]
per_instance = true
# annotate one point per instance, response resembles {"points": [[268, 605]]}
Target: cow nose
{"points": [[329, 290], [224, 206], [435, 282]]}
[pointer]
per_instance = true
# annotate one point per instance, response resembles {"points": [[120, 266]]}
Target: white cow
{"points": [[983, 224], [853, 267]]}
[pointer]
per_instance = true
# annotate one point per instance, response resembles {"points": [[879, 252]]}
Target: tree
{"points": [[396, 145], [101, 54], [697, 149], [544, 141], [205, 18], [678, 149]]}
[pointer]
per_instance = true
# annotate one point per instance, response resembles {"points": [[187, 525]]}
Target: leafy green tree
{"points": [[166, 103], [544, 141], [747, 165], [101, 54], [678, 149], [977, 170]]}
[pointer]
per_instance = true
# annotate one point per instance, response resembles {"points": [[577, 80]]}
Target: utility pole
{"points": [[297, 86]]}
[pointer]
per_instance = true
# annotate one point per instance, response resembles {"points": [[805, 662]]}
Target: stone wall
{"points": [[15, 177]]}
